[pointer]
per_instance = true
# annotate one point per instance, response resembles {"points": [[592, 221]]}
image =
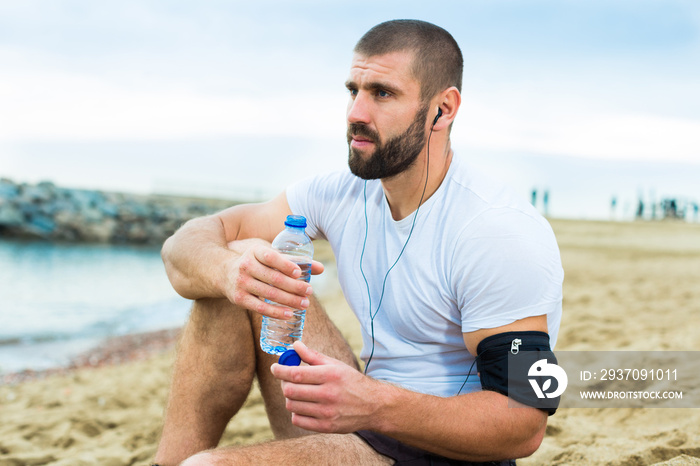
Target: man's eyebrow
{"points": [[375, 86]]}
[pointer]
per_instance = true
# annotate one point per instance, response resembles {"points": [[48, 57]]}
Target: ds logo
{"points": [[542, 368]]}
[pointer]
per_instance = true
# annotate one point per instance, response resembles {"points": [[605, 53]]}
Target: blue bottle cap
{"points": [[296, 221], [290, 358]]}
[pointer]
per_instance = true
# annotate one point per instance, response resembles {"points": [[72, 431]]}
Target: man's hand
{"points": [[258, 272], [327, 395]]}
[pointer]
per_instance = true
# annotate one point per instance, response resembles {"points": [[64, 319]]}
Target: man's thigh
{"points": [[317, 449]]}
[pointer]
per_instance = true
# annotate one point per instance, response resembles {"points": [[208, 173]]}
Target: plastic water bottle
{"points": [[278, 335]]}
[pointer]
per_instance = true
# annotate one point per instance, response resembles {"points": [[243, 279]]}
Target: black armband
{"points": [[521, 366]]}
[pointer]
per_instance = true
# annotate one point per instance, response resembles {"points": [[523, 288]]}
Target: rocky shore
{"points": [[46, 211]]}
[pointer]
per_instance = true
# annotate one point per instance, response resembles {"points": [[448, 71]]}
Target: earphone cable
{"points": [[469, 372]]}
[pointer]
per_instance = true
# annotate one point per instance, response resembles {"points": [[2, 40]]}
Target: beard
{"points": [[391, 157]]}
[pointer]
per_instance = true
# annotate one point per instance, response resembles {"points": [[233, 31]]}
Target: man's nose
{"points": [[358, 109]]}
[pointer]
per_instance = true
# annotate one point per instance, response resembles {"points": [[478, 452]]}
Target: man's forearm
{"points": [[326, 395], [193, 258], [476, 427]]}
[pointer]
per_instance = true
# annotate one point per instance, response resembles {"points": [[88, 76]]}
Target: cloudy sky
{"points": [[122, 93]]}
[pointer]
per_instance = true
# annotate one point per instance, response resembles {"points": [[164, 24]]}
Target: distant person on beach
{"points": [[449, 260], [640, 209]]}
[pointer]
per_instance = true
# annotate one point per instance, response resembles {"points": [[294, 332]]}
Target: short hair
{"points": [[437, 60]]}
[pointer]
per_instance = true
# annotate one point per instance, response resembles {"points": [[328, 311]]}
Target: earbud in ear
{"points": [[439, 114]]}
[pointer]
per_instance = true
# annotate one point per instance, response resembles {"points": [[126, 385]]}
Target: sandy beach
{"points": [[628, 286]]}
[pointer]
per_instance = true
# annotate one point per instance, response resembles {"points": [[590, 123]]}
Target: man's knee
{"points": [[214, 318], [225, 456], [200, 459], [212, 312], [220, 339]]}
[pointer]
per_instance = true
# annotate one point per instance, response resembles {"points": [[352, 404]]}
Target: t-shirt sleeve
{"points": [[317, 198], [300, 197], [506, 267]]}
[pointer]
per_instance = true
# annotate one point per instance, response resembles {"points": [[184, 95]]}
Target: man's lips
{"points": [[360, 141]]}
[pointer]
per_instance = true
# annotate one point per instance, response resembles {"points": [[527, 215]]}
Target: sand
{"points": [[628, 286]]}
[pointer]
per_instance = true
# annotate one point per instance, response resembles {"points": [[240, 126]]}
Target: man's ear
{"points": [[448, 103]]}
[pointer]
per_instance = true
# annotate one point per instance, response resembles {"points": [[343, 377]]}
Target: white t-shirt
{"points": [[479, 257]]}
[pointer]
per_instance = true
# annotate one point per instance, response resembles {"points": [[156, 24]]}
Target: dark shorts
{"points": [[410, 456]]}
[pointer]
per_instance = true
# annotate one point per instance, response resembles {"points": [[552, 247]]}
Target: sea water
{"points": [[58, 300]]}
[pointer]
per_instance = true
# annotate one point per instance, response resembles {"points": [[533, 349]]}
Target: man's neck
{"points": [[403, 191]]}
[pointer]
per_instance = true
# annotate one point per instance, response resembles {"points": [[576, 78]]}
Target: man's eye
{"points": [[381, 93], [353, 92]]}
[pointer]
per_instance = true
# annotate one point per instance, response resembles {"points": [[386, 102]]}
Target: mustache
{"points": [[358, 129]]}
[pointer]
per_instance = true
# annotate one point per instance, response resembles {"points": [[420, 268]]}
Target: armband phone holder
{"points": [[505, 362]]}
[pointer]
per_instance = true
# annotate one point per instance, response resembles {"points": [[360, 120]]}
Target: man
{"points": [[433, 259]]}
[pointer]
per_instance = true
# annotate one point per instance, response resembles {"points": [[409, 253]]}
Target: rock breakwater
{"points": [[46, 211]]}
